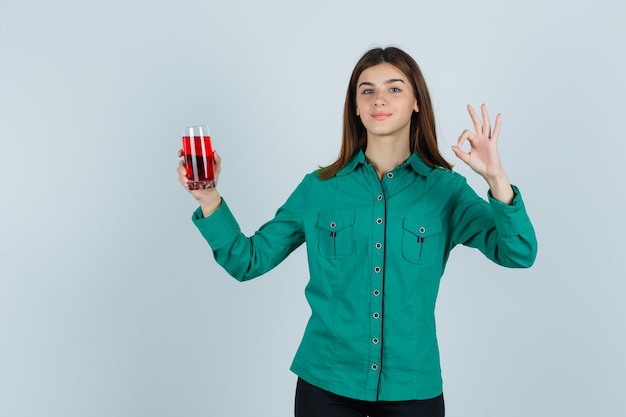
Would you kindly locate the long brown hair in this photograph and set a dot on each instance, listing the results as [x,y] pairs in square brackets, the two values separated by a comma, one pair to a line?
[423,136]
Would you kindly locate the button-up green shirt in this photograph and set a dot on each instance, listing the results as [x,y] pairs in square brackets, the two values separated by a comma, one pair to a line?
[376,252]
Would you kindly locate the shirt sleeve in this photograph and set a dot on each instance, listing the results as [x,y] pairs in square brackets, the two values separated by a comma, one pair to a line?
[503,232]
[246,257]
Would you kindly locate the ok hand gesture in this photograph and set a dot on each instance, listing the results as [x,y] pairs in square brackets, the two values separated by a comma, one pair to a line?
[483,155]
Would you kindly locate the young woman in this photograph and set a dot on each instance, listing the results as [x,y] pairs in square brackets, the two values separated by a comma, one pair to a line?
[379,224]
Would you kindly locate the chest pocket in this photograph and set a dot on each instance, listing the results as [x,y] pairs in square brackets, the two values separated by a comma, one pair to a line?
[422,239]
[336,234]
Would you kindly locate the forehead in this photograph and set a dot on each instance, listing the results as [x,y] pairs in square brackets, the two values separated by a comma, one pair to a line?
[381,73]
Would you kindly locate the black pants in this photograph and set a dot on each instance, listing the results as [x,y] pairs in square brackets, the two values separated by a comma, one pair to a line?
[315,402]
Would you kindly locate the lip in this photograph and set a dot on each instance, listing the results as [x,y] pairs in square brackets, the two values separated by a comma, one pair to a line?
[380,115]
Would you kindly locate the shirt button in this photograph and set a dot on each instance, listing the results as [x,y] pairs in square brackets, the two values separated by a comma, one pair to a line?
[379,245]
[333,225]
[375,340]
[376,293]
[376,316]
[380,197]
[377,269]
[379,220]
[374,367]
[390,175]
[422,229]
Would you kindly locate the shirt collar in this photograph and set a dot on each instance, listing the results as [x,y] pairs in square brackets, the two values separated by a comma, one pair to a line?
[356,160]
[414,161]
[418,164]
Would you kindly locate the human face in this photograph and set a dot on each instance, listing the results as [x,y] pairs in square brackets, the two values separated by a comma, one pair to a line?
[385,102]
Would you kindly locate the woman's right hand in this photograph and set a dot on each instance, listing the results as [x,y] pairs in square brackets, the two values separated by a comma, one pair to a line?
[209,199]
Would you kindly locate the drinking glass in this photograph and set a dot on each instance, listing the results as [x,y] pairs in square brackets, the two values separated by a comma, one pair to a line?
[198,157]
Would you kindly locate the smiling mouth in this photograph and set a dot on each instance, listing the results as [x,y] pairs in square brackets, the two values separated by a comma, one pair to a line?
[381,116]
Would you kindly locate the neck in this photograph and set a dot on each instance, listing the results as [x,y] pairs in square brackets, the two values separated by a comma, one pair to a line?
[385,155]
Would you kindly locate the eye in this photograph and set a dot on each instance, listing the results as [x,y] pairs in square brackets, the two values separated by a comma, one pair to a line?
[367,91]
[395,90]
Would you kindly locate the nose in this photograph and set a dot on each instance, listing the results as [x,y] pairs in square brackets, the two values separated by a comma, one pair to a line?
[380,100]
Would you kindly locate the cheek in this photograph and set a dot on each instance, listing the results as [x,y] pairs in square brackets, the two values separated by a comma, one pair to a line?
[360,104]
[412,106]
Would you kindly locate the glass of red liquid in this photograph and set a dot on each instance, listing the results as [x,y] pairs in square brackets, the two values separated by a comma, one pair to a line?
[198,156]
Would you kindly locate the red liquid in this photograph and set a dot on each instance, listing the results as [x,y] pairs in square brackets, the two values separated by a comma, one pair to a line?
[199,162]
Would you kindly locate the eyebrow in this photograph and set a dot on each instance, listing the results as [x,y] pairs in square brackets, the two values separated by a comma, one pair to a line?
[391,81]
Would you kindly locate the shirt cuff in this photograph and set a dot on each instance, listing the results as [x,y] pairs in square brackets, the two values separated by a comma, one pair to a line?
[511,219]
[220,228]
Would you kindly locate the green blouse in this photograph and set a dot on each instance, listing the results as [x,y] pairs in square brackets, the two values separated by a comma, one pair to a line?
[376,252]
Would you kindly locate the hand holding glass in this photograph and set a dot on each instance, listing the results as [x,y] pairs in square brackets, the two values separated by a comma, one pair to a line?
[198,157]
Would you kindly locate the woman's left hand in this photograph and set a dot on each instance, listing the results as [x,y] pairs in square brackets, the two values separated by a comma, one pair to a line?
[483,155]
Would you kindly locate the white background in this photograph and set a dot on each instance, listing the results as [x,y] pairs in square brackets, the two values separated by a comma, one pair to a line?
[110,301]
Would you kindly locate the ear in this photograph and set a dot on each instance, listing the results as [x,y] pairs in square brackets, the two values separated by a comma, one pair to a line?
[416,108]
[358,113]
